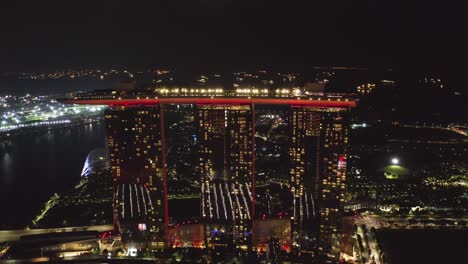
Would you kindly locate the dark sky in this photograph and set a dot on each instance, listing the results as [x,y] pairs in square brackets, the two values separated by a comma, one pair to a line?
[420,35]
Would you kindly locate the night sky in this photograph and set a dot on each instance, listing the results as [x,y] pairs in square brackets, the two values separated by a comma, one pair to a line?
[229,34]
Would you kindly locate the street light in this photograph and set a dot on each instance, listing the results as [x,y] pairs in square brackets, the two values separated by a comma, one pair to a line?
[395,161]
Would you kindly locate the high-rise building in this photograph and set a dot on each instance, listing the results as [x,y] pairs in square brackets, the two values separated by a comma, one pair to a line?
[135,139]
[318,151]
[304,151]
[226,152]
[333,181]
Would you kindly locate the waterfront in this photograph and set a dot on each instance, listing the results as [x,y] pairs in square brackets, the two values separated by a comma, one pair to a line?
[33,168]
[55,160]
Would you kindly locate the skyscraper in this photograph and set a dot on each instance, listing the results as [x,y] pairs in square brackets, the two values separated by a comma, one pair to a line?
[225,134]
[318,152]
[135,139]
[304,153]
[333,181]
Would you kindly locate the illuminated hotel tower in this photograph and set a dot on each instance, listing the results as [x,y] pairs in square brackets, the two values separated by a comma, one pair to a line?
[225,135]
[304,167]
[318,152]
[134,136]
[335,129]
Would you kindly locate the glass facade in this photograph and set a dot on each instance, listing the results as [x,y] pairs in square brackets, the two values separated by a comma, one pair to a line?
[134,137]
[318,153]
[226,168]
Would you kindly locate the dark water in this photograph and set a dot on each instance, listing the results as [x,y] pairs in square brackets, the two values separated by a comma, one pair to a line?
[33,167]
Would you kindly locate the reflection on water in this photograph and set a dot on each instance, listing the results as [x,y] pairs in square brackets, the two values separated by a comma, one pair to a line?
[34,166]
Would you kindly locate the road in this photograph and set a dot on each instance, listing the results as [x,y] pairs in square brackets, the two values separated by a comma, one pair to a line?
[366,221]
[399,222]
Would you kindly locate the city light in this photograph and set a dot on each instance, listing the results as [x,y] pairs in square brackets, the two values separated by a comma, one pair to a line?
[226,132]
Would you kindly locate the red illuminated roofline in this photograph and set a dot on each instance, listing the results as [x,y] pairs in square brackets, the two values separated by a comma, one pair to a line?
[342,103]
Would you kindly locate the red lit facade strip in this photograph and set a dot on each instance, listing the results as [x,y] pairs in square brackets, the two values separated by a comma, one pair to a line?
[217,101]
[163,149]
